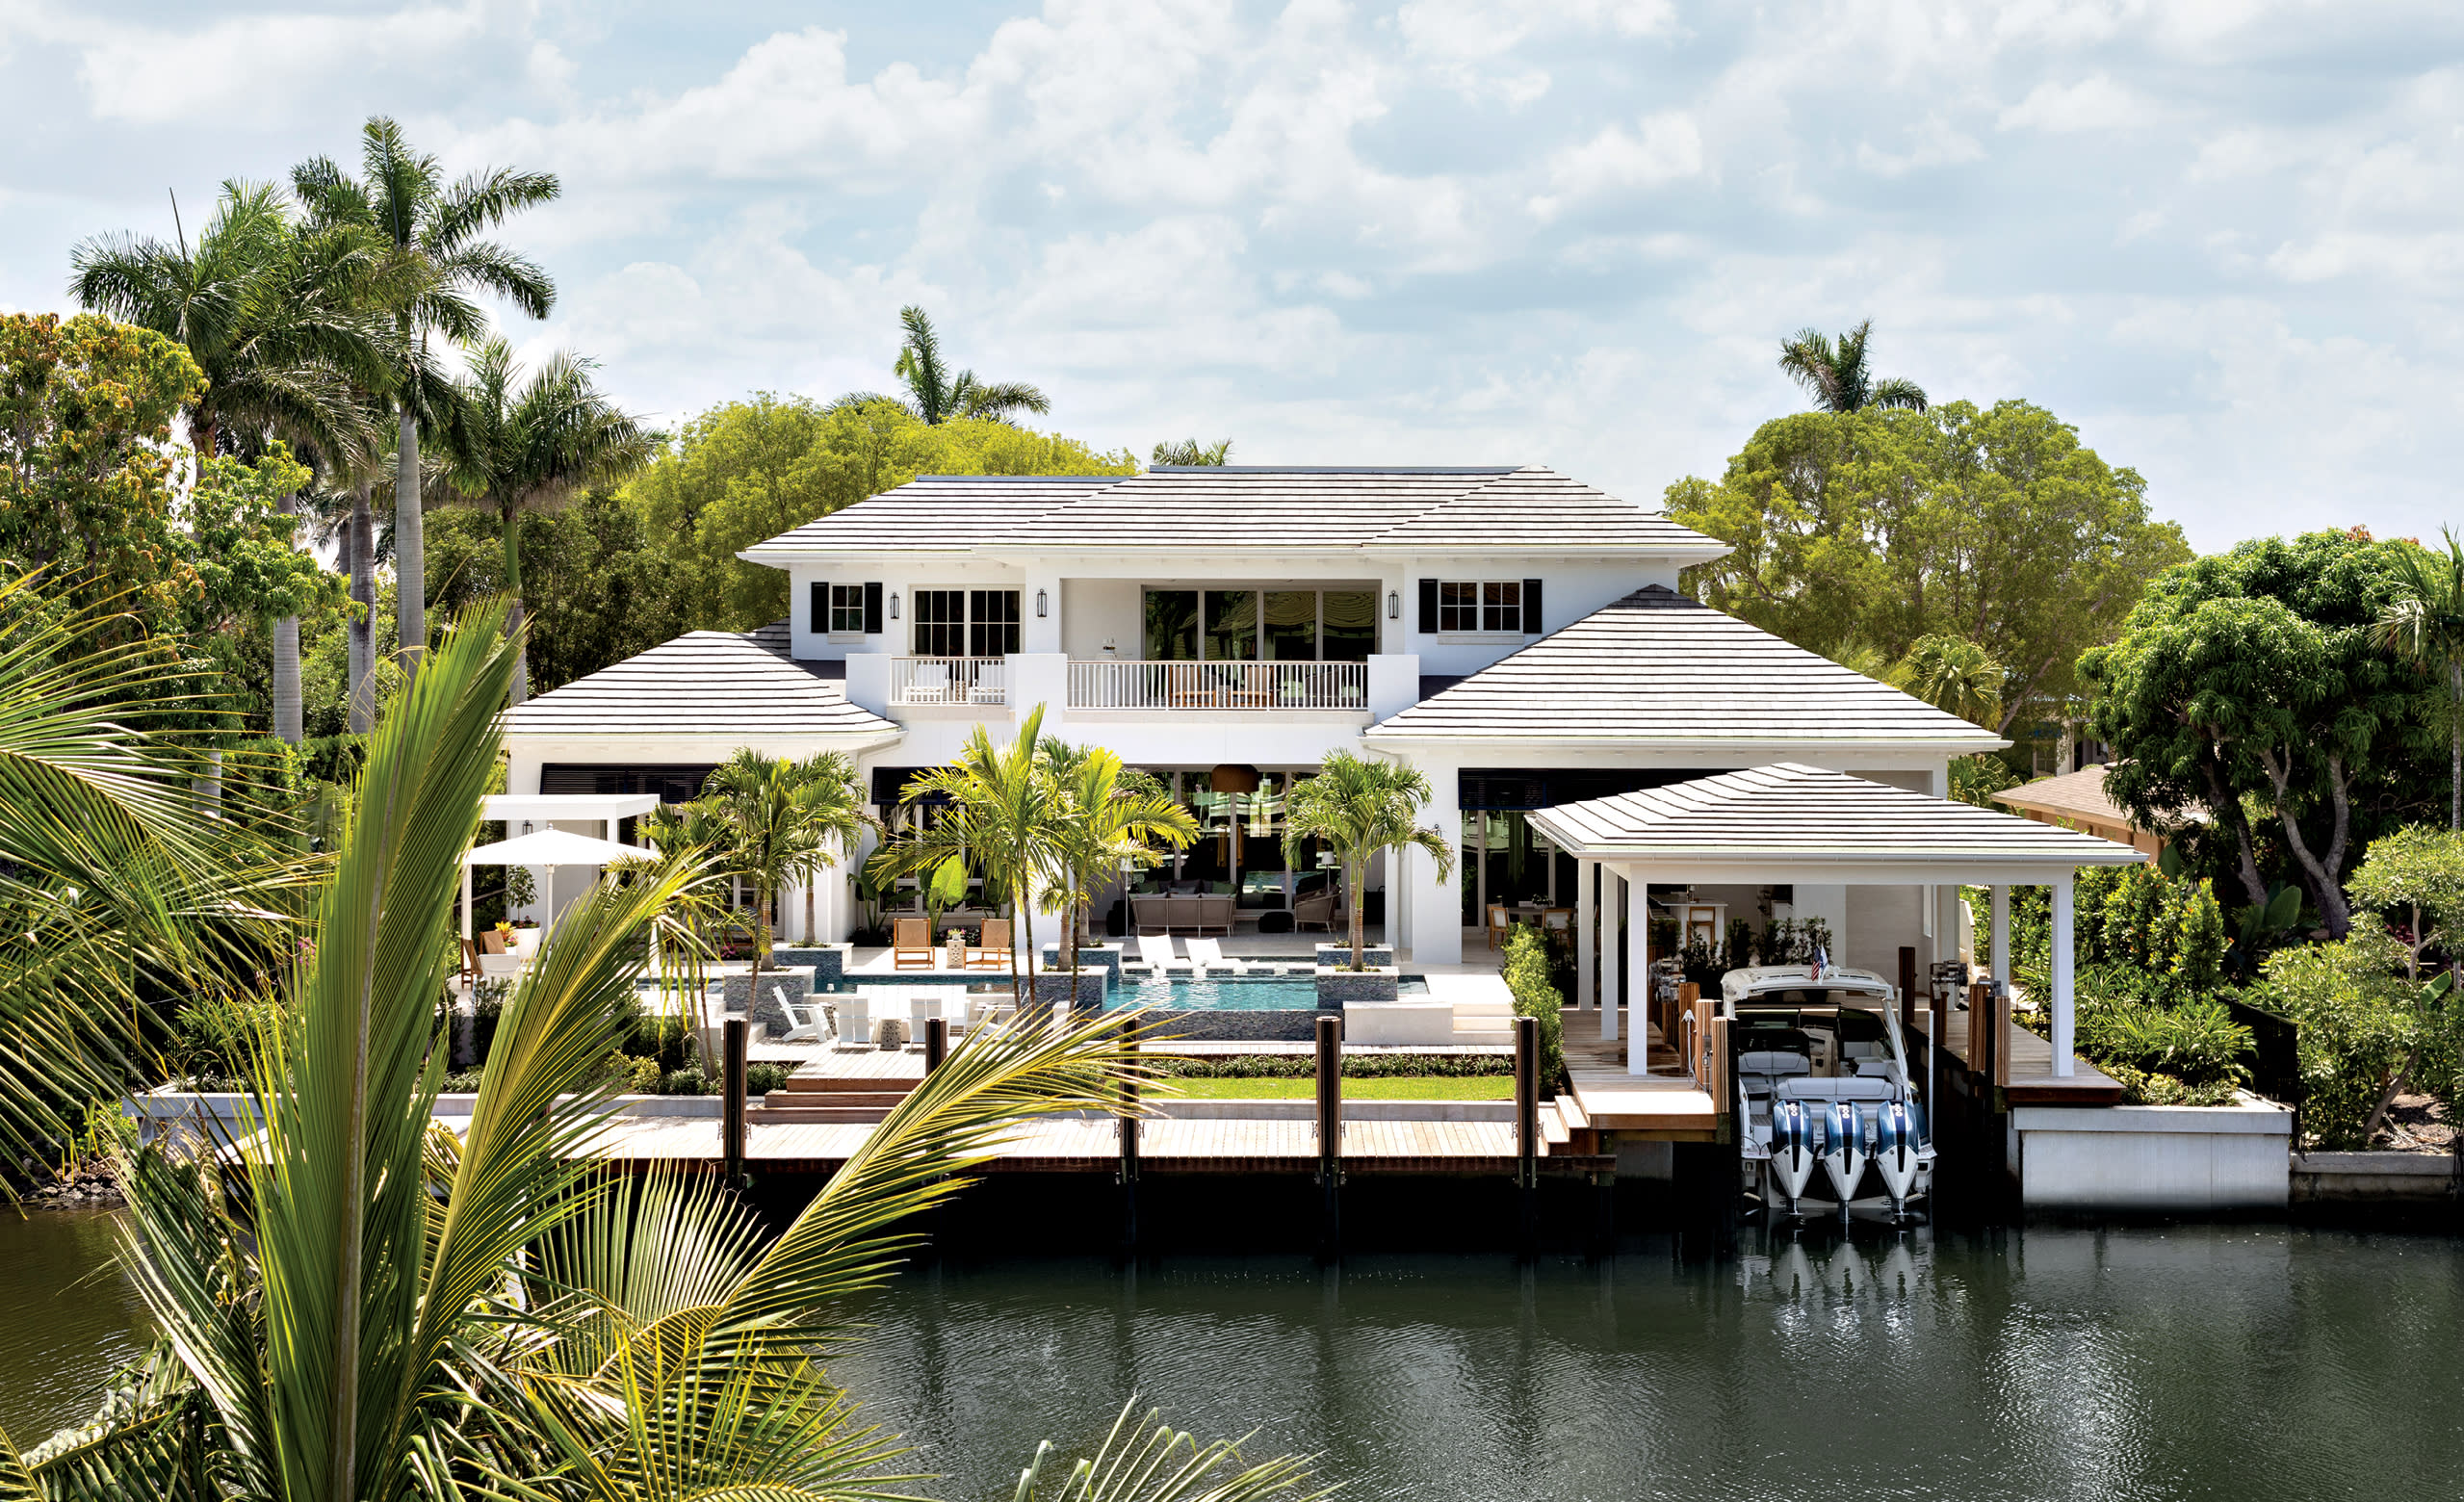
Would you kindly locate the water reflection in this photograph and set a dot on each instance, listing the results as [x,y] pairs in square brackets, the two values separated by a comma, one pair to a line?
[67,1319]
[2181,1362]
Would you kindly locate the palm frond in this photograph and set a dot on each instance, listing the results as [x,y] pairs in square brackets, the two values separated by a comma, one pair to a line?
[1146,1460]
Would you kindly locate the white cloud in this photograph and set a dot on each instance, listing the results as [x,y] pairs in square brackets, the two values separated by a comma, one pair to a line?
[1661,149]
[2092,103]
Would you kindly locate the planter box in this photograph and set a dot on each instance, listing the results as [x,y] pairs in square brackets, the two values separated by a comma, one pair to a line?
[1399,1022]
[1083,993]
[2155,1157]
[1106,955]
[2373,1177]
[1371,954]
[1339,987]
[829,961]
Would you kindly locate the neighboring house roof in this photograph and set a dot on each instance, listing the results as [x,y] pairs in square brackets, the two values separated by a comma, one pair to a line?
[1659,667]
[1806,814]
[2080,795]
[1179,508]
[704,683]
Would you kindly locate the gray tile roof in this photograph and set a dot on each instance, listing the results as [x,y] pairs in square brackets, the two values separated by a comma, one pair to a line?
[707,683]
[1659,667]
[1525,509]
[1789,810]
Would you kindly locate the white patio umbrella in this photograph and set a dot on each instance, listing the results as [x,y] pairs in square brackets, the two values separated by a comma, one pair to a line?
[548,847]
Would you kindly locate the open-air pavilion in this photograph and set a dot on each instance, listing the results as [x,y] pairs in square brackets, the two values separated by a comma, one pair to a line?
[1806,826]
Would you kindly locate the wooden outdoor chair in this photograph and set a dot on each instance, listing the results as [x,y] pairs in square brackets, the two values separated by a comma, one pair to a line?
[911,944]
[1500,924]
[470,963]
[992,949]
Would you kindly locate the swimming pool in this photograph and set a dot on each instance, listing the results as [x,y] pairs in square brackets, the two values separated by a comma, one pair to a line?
[1232,993]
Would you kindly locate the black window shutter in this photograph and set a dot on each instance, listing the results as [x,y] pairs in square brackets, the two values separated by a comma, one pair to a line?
[1531,607]
[872,609]
[820,610]
[1428,606]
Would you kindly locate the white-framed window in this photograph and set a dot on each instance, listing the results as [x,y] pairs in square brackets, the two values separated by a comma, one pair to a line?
[953,623]
[846,609]
[1480,606]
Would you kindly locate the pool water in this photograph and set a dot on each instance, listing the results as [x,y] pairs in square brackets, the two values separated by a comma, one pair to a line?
[1233,992]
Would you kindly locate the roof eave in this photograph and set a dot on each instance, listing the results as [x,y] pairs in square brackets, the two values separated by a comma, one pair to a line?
[1408,739]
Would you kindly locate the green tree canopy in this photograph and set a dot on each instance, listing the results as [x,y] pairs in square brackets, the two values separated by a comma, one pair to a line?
[2252,679]
[747,471]
[1992,526]
[86,486]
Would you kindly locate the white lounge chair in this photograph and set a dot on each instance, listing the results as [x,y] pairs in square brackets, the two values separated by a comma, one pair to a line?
[804,1025]
[1207,954]
[855,1019]
[1155,949]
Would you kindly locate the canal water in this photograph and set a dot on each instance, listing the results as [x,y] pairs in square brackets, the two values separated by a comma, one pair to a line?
[2245,1362]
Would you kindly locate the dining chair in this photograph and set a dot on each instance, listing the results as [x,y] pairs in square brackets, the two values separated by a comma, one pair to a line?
[1500,925]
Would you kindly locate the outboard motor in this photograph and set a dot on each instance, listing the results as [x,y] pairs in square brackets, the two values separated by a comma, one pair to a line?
[1842,1151]
[1895,1153]
[1794,1150]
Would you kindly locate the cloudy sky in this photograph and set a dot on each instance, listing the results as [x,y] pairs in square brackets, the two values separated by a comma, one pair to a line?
[2225,240]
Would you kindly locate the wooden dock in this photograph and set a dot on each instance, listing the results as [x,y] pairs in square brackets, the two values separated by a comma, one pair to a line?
[1166,1145]
[1665,1105]
[2031,1080]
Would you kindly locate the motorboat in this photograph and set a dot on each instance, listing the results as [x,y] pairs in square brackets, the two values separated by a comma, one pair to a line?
[1835,1122]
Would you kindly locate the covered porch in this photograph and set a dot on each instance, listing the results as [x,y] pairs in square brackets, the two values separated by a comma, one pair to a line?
[1818,831]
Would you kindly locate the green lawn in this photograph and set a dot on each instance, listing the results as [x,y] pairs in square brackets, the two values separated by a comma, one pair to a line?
[1478,1087]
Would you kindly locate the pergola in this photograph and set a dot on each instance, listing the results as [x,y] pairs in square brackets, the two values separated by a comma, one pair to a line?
[1788,823]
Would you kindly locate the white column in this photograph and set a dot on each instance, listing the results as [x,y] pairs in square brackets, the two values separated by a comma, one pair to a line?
[2002,935]
[1612,953]
[2059,1001]
[466,899]
[1638,942]
[1587,876]
[1437,906]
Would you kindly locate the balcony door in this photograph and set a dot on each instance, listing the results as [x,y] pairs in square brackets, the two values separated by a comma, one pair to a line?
[977,623]
[1260,624]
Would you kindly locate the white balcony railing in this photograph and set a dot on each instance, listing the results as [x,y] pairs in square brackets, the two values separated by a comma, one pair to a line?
[1105,685]
[948,680]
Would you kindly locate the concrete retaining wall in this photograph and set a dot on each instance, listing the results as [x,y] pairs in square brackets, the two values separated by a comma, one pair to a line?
[2373,1177]
[1399,1022]
[2154,1157]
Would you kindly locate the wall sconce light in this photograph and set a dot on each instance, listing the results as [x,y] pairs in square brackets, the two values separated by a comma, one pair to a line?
[893,606]
[1043,605]
[1394,605]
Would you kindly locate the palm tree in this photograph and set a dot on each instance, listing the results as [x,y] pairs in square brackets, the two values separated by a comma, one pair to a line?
[1005,820]
[769,836]
[113,892]
[2426,625]
[935,395]
[1361,806]
[436,262]
[1836,376]
[1954,675]
[1189,450]
[357,1306]
[527,446]
[835,807]
[1114,816]
[276,317]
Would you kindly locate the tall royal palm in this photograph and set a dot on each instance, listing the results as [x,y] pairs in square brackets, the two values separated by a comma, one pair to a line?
[935,394]
[1359,806]
[1113,819]
[276,316]
[1834,372]
[439,263]
[2425,624]
[527,445]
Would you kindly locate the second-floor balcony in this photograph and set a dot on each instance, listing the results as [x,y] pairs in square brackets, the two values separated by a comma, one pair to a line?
[921,681]
[1106,684]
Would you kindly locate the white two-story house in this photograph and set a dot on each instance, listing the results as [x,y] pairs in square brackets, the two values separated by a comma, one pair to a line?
[1514,633]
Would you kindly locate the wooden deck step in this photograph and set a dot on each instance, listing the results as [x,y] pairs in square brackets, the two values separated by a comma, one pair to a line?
[808,1100]
[1570,1112]
[782,1115]
[848,1084]
[1552,1128]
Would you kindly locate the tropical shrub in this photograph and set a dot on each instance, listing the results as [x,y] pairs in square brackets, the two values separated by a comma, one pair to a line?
[1530,977]
[2169,928]
[2359,1027]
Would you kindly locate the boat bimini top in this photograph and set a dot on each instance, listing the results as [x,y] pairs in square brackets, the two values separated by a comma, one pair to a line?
[1823,1079]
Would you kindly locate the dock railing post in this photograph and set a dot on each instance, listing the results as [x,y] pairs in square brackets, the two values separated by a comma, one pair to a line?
[1527,1127]
[731,1111]
[936,1042]
[1330,1134]
[1127,1121]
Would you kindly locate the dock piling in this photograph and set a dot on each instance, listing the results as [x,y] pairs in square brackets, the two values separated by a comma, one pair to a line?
[1330,1134]
[731,1119]
[1527,1127]
[936,1042]
[1128,1122]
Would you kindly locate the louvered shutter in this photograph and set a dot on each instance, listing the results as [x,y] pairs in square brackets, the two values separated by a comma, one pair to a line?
[1428,608]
